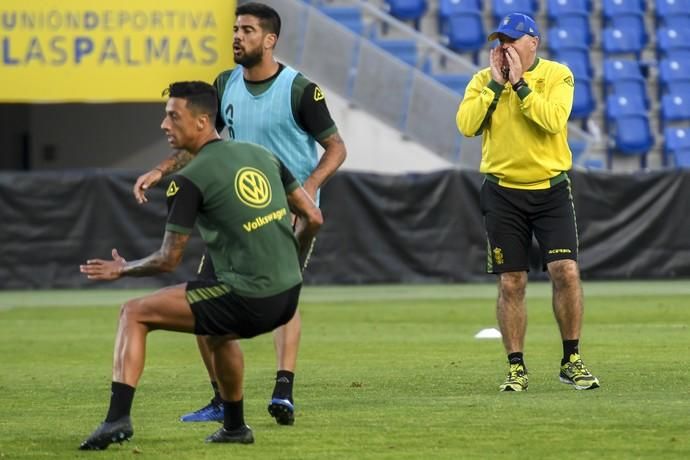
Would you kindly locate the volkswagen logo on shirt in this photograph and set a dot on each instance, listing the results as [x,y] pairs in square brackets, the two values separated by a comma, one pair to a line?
[252,187]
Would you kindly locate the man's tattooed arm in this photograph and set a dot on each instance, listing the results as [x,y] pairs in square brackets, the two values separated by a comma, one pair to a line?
[176,161]
[164,260]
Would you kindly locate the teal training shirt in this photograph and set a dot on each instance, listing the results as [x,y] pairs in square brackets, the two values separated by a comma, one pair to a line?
[236,192]
[268,120]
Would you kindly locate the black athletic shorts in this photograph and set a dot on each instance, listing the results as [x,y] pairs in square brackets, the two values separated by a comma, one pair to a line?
[512,216]
[219,311]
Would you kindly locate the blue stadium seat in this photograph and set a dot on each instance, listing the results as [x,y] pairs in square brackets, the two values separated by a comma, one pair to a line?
[675,139]
[678,87]
[681,158]
[502,8]
[559,38]
[465,33]
[578,62]
[681,21]
[631,22]
[673,70]
[456,82]
[576,21]
[557,8]
[622,42]
[447,8]
[349,16]
[611,9]
[632,90]
[671,8]
[618,106]
[405,50]
[622,69]
[577,148]
[669,41]
[674,108]
[629,127]
[632,135]
[583,101]
[407,10]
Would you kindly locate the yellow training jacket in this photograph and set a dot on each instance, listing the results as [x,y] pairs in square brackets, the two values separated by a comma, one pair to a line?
[525,139]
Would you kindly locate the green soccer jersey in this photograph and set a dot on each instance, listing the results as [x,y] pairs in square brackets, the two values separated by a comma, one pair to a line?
[236,194]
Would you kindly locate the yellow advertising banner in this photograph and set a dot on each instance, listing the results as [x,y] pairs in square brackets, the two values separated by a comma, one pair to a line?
[110,51]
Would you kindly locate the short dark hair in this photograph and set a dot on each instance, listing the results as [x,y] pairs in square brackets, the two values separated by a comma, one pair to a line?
[200,96]
[269,19]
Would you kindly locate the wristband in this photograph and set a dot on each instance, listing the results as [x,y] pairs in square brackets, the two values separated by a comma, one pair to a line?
[521,83]
[159,170]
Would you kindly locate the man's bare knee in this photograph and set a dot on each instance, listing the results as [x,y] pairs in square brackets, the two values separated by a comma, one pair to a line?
[564,273]
[135,310]
[513,284]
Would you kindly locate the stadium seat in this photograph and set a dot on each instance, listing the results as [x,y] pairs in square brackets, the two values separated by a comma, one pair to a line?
[502,8]
[578,62]
[456,82]
[558,8]
[583,101]
[622,42]
[559,38]
[577,148]
[633,22]
[447,8]
[675,139]
[631,90]
[465,33]
[681,158]
[622,69]
[681,21]
[576,21]
[407,10]
[674,108]
[350,17]
[673,70]
[619,106]
[611,9]
[678,87]
[632,135]
[671,8]
[405,50]
[669,41]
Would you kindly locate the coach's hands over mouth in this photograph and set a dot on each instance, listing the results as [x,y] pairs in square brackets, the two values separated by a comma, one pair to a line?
[144,182]
[98,269]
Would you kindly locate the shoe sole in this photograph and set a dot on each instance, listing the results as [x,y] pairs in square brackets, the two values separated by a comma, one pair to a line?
[119,437]
[567,381]
[512,389]
[219,420]
[282,414]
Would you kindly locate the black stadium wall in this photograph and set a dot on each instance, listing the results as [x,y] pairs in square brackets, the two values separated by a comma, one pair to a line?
[424,228]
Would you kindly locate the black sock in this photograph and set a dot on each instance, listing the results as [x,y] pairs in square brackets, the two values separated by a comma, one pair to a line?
[217,400]
[283,388]
[121,396]
[570,347]
[234,414]
[516,358]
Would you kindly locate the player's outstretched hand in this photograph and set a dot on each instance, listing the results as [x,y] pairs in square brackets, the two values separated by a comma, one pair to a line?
[99,269]
[143,183]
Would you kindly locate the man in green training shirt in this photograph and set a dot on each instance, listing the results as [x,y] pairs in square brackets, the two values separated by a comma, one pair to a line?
[240,196]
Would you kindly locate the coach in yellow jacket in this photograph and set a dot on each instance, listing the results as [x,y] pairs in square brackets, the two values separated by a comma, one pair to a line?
[520,104]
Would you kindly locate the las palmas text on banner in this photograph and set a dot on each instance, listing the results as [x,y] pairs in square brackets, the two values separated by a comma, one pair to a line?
[110,51]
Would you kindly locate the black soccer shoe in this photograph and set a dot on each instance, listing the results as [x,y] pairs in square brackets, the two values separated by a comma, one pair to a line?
[241,435]
[108,433]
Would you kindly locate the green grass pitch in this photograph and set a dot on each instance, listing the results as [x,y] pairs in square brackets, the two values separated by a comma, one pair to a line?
[384,372]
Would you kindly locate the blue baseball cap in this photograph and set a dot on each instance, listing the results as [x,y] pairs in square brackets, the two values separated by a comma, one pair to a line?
[515,25]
